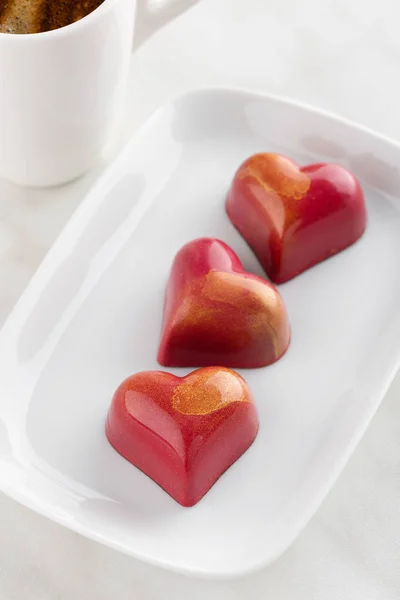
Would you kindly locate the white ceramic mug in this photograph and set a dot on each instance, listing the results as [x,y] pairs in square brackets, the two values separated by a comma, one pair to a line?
[60,91]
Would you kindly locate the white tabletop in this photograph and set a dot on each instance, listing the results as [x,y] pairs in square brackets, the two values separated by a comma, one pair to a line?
[343,56]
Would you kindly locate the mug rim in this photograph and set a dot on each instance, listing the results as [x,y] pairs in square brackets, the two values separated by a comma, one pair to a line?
[65,29]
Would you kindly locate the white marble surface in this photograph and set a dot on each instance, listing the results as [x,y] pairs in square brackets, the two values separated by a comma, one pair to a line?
[340,55]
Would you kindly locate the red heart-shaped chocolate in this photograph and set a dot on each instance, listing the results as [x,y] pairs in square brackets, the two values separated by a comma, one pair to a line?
[295,217]
[217,314]
[183,432]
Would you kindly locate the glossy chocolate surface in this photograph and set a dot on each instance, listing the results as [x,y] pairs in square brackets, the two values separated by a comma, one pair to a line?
[295,217]
[218,314]
[183,432]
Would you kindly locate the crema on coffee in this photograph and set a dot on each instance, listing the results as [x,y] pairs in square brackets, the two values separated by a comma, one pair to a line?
[35,16]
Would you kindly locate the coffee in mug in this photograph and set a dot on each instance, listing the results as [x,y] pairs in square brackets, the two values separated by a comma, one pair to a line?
[35,16]
[61,88]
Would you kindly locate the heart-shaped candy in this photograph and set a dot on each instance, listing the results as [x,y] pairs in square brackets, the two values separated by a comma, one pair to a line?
[217,314]
[183,432]
[295,217]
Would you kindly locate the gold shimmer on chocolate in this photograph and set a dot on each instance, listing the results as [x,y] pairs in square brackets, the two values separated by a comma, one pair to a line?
[277,174]
[36,16]
[257,303]
[209,390]
[256,309]
[271,177]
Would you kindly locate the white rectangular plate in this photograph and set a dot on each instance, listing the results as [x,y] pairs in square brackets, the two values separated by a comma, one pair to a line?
[91,316]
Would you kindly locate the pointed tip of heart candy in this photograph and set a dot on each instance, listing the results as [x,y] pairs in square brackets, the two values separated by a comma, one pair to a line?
[184,433]
[217,313]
